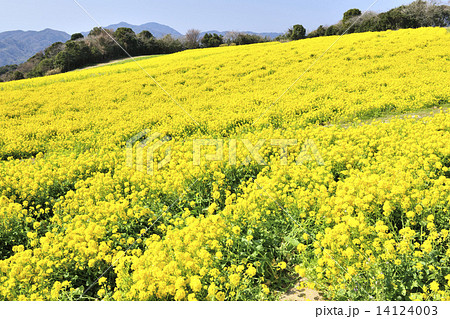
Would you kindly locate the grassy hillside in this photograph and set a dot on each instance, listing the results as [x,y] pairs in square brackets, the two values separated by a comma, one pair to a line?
[360,210]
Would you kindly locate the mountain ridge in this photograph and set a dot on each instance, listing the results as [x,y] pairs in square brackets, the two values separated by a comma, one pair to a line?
[17,46]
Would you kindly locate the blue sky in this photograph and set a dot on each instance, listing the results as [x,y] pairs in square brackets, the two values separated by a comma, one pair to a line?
[239,15]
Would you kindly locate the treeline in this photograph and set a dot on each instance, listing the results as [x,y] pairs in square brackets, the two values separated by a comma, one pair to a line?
[231,38]
[101,45]
[415,15]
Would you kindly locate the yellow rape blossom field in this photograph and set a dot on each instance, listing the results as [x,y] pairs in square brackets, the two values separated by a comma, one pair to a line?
[364,216]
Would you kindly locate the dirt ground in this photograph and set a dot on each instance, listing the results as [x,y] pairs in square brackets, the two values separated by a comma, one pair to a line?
[301,294]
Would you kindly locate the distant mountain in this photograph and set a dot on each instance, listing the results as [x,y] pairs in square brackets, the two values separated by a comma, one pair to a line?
[271,35]
[158,30]
[18,46]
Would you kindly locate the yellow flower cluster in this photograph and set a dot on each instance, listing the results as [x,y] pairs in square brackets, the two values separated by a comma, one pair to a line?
[372,222]
[378,210]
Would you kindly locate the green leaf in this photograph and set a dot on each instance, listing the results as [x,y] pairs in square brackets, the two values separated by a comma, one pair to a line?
[293,242]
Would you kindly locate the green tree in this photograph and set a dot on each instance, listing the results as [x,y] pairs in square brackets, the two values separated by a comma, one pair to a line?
[367,23]
[147,43]
[332,30]
[7,68]
[103,47]
[216,40]
[205,39]
[127,39]
[17,75]
[145,35]
[76,36]
[95,32]
[319,32]
[54,49]
[75,55]
[169,45]
[212,40]
[43,67]
[243,38]
[350,14]
[296,33]
[396,19]
[63,61]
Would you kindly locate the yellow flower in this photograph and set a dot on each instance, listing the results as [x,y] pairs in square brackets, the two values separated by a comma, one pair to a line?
[281,265]
[191,297]
[301,247]
[93,190]
[180,294]
[351,270]
[265,289]
[234,279]
[212,289]
[236,230]
[220,296]
[195,283]
[387,208]
[410,214]
[299,270]
[101,292]
[434,286]
[251,271]
[380,276]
